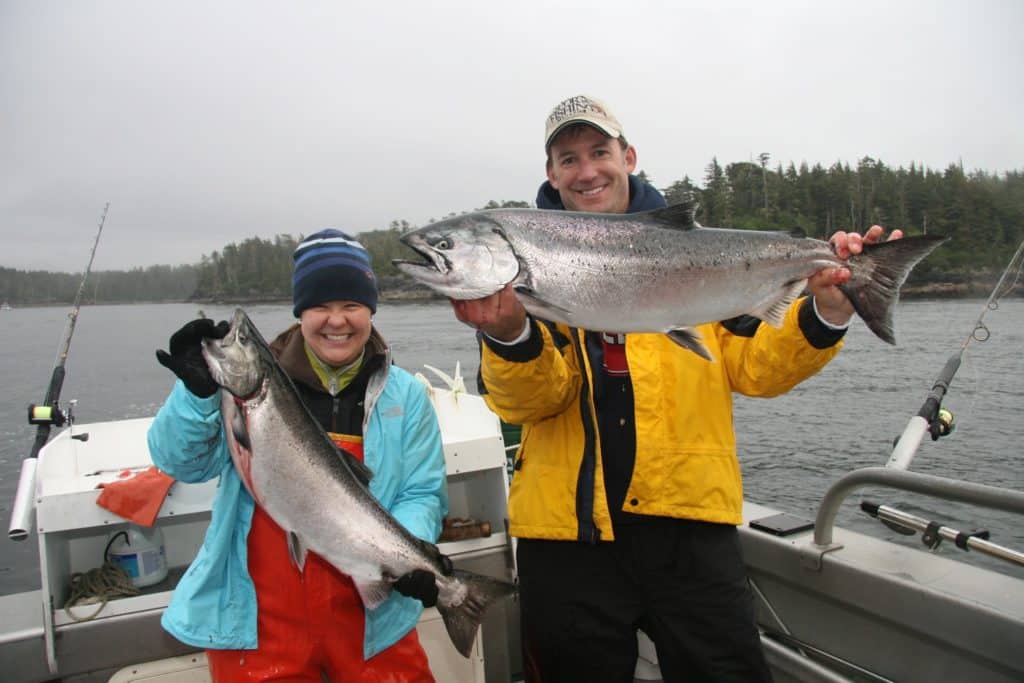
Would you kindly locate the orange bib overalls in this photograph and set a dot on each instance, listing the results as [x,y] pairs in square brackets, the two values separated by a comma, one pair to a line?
[310,623]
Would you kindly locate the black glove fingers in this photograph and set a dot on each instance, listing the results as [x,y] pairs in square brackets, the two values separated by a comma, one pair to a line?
[419,584]
[193,332]
[165,359]
[186,356]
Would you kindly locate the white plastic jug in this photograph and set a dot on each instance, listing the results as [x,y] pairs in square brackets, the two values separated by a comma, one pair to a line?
[140,552]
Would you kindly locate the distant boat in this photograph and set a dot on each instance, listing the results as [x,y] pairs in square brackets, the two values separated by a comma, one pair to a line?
[5,306]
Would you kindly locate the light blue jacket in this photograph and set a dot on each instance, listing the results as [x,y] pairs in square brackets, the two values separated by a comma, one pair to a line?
[214,604]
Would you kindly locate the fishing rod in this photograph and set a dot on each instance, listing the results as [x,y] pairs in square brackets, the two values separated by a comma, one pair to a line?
[932,418]
[48,414]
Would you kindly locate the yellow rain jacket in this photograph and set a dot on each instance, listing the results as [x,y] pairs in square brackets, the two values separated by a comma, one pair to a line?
[685,461]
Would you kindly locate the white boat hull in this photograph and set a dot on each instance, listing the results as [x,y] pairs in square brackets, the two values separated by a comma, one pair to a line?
[862,609]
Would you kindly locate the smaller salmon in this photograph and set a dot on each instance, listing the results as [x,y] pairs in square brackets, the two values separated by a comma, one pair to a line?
[318,492]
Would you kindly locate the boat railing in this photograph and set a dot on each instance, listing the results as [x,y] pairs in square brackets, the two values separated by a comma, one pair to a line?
[983,495]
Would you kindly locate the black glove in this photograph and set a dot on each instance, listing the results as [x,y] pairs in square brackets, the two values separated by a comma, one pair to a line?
[186,357]
[418,584]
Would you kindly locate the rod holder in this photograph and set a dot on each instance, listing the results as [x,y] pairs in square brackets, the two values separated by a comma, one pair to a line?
[24,501]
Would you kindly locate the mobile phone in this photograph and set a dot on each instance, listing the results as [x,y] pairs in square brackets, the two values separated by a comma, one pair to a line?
[782,524]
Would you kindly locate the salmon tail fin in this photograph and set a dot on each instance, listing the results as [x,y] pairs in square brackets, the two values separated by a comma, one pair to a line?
[462,616]
[877,274]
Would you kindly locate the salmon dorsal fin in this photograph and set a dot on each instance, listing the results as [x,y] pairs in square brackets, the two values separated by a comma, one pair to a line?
[681,216]
[359,470]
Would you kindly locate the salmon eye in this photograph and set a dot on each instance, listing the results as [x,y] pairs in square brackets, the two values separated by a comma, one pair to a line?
[443,243]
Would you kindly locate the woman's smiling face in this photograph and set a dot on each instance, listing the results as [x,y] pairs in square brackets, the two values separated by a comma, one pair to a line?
[336,331]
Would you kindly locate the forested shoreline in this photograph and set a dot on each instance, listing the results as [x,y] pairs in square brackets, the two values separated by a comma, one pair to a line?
[981,213]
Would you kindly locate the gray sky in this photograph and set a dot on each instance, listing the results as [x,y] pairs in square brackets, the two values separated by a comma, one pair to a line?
[205,123]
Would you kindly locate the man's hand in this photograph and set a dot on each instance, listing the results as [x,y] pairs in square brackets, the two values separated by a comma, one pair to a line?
[186,357]
[833,306]
[499,315]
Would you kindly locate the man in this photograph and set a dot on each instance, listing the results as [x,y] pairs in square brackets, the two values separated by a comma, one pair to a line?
[627,491]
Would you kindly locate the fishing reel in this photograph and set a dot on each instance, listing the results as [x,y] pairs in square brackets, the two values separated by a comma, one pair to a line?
[54,416]
[942,425]
[51,415]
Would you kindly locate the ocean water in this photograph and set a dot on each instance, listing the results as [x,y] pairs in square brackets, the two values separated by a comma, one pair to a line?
[791,447]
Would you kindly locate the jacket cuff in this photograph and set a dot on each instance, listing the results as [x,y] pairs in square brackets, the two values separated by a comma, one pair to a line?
[522,352]
[817,333]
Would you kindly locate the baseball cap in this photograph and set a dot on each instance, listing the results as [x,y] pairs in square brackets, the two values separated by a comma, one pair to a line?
[581,109]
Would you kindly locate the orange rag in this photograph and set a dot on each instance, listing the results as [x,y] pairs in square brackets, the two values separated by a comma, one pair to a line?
[136,498]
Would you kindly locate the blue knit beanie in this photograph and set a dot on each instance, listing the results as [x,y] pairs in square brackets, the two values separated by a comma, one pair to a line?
[332,266]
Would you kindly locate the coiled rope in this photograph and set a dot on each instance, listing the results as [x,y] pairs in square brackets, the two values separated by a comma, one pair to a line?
[99,585]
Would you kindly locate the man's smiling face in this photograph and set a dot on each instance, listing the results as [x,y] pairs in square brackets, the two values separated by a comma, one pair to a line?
[590,170]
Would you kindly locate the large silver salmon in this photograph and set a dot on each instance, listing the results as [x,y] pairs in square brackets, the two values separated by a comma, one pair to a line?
[318,492]
[656,271]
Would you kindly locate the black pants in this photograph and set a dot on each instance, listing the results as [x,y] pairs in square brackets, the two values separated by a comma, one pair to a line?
[683,582]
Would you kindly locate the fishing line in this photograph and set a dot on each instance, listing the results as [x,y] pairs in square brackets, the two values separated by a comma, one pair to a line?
[981,333]
[62,354]
[48,414]
[932,418]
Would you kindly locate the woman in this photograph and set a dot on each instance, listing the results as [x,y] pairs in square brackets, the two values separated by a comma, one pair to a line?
[242,598]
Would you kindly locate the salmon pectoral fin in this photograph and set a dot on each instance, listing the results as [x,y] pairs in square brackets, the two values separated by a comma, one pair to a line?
[239,445]
[538,306]
[240,431]
[296,550]
[773,311]
[689,338]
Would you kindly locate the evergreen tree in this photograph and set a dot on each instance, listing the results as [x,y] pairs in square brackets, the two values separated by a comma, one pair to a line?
[716,198]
